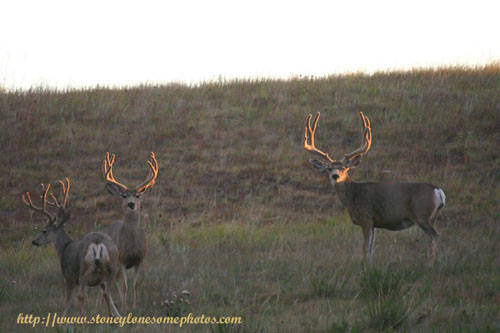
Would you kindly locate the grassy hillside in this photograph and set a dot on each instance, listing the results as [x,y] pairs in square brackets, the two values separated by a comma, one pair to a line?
[240,219]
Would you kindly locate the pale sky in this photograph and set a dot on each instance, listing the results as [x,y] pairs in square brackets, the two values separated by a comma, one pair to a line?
[74,43]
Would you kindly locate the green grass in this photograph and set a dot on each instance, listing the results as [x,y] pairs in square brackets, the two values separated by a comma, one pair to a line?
[239,218]
[390,296]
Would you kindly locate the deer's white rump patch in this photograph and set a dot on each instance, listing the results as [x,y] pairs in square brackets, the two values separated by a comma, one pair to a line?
[96,252]
[439,197]
[439,200]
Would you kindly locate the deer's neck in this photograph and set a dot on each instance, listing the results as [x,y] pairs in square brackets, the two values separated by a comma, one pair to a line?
[131,219]
[345,192]
[62,241]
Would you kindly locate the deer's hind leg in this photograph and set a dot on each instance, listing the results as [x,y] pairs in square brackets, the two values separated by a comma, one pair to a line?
[426,226]
[70,286]
[81,297]
[83,282]
[106,293]
[424,213]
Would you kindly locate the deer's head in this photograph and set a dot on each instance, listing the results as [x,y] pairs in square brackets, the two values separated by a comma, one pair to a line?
[131,197]
[337,170]
[55,221]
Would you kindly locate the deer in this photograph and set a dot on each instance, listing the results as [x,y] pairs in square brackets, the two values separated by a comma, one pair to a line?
[371,205]
[88,262]
[128,234]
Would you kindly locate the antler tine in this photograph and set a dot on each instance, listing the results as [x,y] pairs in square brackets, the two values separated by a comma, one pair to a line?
[108,170]
[43,209]
[366,139]
[65,191]
[309,136]
[153,164]
[53,203]
[64,194]
[45,190]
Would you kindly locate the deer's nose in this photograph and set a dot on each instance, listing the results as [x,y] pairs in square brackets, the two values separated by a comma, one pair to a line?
[131,205]
[34,243]
[335,176]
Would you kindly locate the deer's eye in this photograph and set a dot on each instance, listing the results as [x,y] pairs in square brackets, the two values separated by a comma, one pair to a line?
[44,231]
[124,196]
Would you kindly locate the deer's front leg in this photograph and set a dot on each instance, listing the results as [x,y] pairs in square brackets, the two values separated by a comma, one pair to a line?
[369,239]
[136,274]
[121,284]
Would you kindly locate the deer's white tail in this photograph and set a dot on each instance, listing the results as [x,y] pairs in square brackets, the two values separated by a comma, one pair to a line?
[97,254]
[439,201]
[439,198]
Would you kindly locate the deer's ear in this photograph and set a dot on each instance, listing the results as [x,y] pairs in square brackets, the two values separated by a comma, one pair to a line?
[113,189]
[353,162]
[320,166]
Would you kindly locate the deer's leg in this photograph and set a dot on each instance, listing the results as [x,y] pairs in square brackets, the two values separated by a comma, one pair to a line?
[102,300]
[369,239]
[81,296]
[425,225]
[372,241]
[434,216]
[136,273]
[113,311]
[105,298]
[69,292]
[121,284]
[124,277]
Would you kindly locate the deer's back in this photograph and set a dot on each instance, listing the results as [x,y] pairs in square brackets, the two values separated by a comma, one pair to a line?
[106,240]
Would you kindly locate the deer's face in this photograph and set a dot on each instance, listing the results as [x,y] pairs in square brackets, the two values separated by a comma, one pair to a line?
[336,171]
[131,199]
[47,235]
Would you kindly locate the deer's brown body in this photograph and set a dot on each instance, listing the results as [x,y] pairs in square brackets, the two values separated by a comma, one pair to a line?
[131,239]
[392,206]
[87,262]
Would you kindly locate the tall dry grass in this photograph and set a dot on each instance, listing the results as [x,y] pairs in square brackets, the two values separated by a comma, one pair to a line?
[237,216]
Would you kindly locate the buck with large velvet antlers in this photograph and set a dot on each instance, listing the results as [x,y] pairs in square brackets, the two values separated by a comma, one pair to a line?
[87,262]
[392,206]
[127,234]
